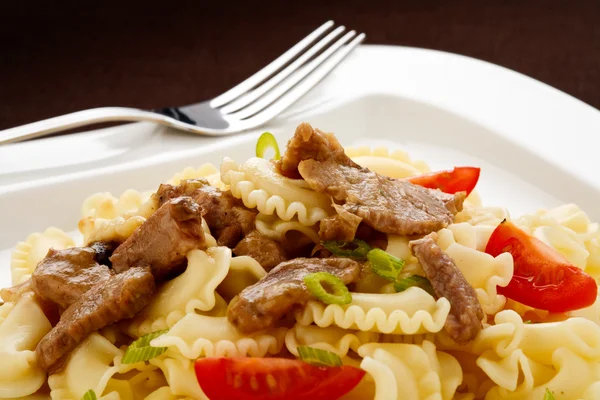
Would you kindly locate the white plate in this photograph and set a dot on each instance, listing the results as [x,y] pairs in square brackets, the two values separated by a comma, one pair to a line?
[537,146]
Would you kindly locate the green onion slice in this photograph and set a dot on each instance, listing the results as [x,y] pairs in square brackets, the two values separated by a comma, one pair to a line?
[319,357]
[357,249]
[414,280]
[548,395]
[265,142]
[314,283]
[89,395]
[140,350]
[384,264]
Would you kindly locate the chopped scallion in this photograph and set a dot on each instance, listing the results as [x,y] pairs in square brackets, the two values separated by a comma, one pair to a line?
[319,357]
[314,282]
[265,142]
[414,280]
[357,249]
[384,264]
[140,350]
[548,395]
[89,395]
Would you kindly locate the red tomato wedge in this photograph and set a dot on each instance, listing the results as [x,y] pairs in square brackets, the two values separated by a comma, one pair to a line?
[250,378]
[543,278]
[460,179]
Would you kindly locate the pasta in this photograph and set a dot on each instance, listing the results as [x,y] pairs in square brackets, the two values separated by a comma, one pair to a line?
[178,297]
[20,332]
[259,186]
[409,312]
[398,335]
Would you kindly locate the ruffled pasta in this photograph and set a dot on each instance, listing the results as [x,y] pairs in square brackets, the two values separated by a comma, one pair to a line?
[409,312]
[395,164]
[260,186]
[96,364]
[521,359]
[484,272]
[334,339]
[180,376]
[243,272]
[20,332]
[117,229]
[206,171]
[277,229]
[569,230]
[411,372]
[29,253]
[192,291]
[204,336]
[106,206]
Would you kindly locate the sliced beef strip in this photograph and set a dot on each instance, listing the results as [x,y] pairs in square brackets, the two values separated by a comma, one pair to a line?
[311,144]
[263,304]
[464,321]
[227,217]
[120,297]
[163,240]
[64,275]
[385,204]
[267,252]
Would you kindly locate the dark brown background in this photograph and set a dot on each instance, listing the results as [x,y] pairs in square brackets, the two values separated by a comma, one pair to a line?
[58,57]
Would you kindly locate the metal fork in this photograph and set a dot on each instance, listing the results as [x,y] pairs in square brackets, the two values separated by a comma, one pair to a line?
[250,104]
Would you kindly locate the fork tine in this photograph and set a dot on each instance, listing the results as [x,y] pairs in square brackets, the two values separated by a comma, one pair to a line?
[270,69]
[292,81]
[256,93]
[303,87]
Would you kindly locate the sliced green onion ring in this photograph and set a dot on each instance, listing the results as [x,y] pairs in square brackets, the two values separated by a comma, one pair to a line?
[548,395]
[265,142]
[89,395]
[414,280]
[314,283]
[384,264]
[140,350]
[356,249]
[319,357]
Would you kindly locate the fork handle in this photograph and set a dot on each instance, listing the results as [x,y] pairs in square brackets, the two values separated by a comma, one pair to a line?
[80,118]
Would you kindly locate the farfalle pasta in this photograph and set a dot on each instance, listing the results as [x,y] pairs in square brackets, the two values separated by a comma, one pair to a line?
[374,301]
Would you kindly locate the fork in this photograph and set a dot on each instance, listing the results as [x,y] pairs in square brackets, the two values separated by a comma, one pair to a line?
[248,105]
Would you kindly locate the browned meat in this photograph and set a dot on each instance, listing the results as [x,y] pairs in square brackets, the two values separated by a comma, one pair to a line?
[64,275]
[375,238]
[187,188]
[311,144]
[120,297]
[261,305]
[163,240]
[227,217]
[341,226]
[267,252]
[464,321]
[385,204]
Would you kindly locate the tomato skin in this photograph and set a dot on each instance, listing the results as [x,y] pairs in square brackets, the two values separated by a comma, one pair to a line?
[543,278]
[460,179]
[222,378]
